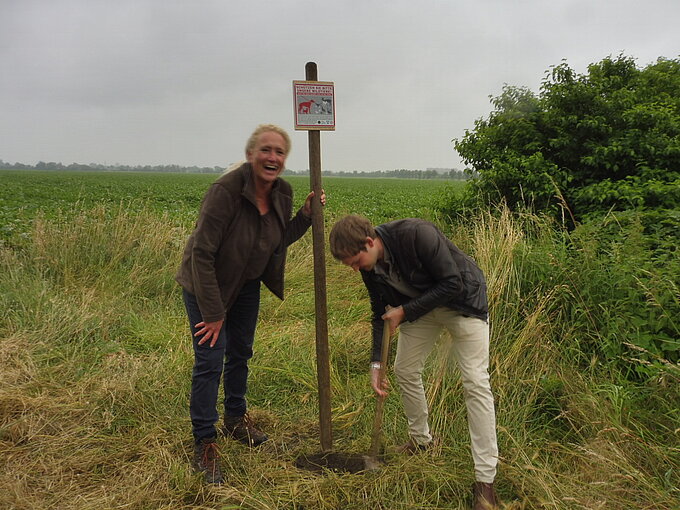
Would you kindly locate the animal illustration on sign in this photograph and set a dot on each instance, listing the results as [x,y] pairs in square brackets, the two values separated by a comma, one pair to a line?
[326,105]
[306,107]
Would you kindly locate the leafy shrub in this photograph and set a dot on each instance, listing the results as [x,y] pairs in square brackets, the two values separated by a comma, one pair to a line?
[605,140]
[617,288]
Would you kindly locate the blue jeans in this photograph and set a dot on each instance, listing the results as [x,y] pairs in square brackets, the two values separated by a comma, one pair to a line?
[230,355]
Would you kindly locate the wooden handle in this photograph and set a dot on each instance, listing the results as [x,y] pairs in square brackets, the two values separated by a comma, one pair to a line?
[379,405]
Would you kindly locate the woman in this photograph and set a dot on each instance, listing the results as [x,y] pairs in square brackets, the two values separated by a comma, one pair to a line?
[240,239]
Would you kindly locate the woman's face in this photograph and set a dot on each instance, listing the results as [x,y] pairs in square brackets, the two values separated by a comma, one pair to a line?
[268,157]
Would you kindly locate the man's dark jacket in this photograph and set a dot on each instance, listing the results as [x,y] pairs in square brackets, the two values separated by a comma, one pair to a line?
[226,233]
[433,266]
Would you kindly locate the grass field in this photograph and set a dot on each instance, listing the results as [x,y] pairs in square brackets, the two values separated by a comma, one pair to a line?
[96,362]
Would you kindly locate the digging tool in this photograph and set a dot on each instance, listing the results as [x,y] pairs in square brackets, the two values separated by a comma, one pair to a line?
[371,460]
[339,462]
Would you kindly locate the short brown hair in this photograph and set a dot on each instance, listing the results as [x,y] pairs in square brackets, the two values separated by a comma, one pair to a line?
[348,236]
[265,128]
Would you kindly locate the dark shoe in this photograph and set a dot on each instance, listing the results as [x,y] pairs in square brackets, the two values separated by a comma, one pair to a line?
[484,496]
[411,447]
[242,429]
[207,461]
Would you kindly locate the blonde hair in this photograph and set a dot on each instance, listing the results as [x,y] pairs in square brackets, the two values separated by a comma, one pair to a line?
[233,166]
[348,236]
[265,128]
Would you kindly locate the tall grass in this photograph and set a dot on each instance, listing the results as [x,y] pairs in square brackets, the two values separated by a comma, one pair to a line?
[96,361]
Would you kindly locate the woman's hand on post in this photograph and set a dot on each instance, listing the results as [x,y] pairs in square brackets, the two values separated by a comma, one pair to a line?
[210,331]
[307,208]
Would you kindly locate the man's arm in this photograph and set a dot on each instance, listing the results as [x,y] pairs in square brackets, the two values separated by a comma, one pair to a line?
[377,310]
[378,307]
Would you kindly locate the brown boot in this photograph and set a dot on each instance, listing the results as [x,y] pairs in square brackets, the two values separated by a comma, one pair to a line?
[484,496]
[410,447]
[242,429]
[207,461]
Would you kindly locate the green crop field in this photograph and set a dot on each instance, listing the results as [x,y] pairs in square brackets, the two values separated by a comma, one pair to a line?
[27,193]
[96,359]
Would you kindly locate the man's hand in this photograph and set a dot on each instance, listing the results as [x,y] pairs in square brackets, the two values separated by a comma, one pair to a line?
[380,387]
[210,331]
[394,316]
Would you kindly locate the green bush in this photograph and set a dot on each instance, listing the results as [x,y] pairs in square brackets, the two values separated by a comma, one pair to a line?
[605,140]
[618,288]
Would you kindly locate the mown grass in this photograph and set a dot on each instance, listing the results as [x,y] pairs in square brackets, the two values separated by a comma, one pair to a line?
[96,363]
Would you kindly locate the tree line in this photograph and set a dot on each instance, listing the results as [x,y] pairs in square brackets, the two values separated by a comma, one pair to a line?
[95,167]
[396,174]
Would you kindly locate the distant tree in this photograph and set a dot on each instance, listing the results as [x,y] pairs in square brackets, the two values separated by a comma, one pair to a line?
[605,140]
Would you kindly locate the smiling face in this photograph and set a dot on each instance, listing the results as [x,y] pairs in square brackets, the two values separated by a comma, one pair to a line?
[268,157]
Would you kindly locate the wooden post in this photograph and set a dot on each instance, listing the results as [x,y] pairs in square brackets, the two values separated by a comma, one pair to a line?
[322,353]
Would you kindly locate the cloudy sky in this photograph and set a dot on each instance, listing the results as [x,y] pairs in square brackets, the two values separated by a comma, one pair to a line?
[185,82]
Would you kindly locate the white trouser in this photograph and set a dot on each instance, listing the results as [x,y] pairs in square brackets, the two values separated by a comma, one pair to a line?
[470,347]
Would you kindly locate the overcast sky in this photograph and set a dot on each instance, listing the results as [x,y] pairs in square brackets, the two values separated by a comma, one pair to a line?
[185,82]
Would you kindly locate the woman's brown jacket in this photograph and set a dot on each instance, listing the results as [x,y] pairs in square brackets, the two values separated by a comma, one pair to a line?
[218,250]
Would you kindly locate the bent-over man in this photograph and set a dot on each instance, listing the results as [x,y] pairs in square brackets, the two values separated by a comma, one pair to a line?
[421,283]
